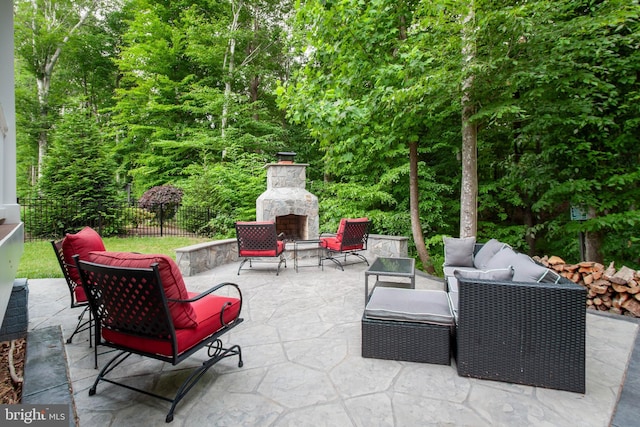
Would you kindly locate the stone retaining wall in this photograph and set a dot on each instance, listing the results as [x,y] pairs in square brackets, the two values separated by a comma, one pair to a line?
[201,257]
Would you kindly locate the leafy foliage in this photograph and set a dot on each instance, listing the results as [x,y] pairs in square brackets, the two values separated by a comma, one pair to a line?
[171,106]
[228,189]
[558,104]
[556,90]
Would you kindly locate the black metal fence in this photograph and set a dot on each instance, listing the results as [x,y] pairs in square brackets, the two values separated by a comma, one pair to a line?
[52,219]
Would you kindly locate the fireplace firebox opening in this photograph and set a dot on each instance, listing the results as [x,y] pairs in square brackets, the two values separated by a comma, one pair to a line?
[294,227]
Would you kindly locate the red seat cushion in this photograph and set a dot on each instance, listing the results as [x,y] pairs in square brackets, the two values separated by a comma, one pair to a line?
[266,253]
[183,314]
[334,243]
[80,243]
[207,311]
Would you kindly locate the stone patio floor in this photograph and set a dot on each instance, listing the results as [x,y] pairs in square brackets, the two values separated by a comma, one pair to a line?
[302,366]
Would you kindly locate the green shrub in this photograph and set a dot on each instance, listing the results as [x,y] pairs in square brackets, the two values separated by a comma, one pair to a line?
[162,200]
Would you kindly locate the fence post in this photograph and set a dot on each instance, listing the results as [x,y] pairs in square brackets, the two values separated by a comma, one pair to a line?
[161,218]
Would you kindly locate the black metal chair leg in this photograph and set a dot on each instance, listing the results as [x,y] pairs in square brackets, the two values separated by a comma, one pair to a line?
[82,325]
[242,263]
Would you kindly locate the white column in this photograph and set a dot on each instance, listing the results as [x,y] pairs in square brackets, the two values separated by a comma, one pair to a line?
[9,209]
[11,237]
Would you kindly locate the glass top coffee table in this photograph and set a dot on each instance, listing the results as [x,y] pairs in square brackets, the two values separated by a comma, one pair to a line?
[300,246]
[403,268]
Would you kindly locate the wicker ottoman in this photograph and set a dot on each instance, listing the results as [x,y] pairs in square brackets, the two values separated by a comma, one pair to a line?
[408,324]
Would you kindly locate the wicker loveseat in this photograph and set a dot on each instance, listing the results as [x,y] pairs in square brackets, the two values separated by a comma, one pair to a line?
[526,329]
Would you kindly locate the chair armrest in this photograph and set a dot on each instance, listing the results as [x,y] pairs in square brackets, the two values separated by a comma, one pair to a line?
[209,291]
[225,305]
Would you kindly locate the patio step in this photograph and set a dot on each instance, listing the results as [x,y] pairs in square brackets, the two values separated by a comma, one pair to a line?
[46,371]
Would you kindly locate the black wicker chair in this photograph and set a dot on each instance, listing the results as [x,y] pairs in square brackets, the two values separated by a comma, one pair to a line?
[133,315]
[259,239]
[78,296]
[350,239]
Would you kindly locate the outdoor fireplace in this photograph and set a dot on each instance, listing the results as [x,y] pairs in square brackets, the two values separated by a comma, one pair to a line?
[287,202]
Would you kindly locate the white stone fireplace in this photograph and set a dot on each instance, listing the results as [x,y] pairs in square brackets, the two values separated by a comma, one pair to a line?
[287,202]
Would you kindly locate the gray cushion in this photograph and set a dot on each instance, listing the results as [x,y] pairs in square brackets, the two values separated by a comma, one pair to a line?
[550,277]
[502,259]
[498,274]
[526,270]
[452,284]
[409,305]
[449,269]
[454,300]
[486,252]
[459,251]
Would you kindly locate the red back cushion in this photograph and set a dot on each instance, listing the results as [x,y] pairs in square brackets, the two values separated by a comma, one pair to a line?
[343,223]
[182,313]
[340,232]
[81,243]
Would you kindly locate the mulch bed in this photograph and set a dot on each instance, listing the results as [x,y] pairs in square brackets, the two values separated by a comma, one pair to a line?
[11,392]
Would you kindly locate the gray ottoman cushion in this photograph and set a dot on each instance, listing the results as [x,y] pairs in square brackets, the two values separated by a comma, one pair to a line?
[410,305]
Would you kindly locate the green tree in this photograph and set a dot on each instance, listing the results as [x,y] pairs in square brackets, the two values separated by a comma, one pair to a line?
[78,169]
[559,89]
[177,93]
[43,29]
[77,166]
[229,189]
[368,73]
[27,131]
[64,59]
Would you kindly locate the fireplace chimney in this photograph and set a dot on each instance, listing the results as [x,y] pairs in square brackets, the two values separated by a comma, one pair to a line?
[286,200]
[286,157]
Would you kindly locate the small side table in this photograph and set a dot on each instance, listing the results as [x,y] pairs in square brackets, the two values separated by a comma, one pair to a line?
[390,267]
[299,245]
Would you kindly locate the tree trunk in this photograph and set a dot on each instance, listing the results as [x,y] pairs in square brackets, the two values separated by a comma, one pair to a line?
[414,196]
[45,62]
[43,84]
[254,84]
[592,242]
[414,208]
[230,56]
[469,184]
[529,236]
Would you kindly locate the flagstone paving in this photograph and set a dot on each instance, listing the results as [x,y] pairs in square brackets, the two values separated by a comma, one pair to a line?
[302,366]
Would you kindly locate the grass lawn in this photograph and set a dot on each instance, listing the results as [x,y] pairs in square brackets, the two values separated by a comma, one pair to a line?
[39,262]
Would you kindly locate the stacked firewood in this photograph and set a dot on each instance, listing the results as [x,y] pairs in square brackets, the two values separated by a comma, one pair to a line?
[608,290]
